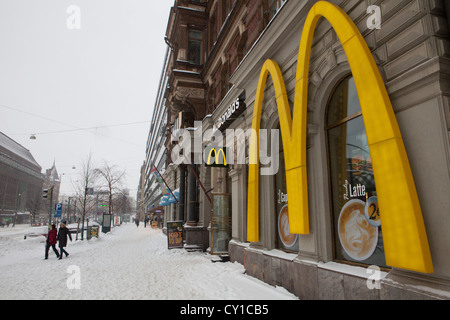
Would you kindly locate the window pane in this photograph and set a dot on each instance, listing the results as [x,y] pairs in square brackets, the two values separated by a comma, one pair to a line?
[195,35]
[285,240]
[344,102]
[195,46]
[357,227]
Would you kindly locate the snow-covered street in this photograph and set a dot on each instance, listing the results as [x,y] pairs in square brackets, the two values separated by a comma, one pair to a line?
[128,263]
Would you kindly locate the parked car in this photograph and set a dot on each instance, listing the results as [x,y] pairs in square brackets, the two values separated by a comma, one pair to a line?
[33,232]
[73,226]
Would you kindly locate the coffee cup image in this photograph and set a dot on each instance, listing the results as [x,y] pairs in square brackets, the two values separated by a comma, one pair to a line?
[372,212]
[358,238]
[286,237]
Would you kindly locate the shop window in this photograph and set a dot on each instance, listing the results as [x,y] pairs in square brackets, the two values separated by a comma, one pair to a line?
[285,240]
[195,46]
[356,221]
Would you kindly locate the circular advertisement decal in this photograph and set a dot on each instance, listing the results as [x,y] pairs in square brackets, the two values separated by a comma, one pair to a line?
[286,237]
[358,238]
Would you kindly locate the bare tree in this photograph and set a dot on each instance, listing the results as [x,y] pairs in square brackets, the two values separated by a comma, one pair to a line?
[86,182]
[35,203]
[122,202]
[112,177]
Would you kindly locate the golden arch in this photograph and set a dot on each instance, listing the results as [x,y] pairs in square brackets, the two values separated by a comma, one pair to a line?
[217,157]
[405,239]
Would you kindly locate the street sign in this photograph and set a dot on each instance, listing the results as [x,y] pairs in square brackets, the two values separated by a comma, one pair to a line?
[58,210]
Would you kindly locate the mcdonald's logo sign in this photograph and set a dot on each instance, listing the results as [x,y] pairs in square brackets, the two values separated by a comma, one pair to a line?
[216,157]
[404,235]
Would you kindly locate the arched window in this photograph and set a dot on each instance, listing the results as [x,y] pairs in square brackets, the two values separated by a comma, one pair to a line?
[355,216]
[284,239]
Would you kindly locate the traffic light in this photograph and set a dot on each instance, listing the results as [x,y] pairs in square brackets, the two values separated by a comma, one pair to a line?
[45,194]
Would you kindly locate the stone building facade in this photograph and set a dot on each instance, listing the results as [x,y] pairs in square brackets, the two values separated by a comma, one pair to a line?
[218,49]
[411,50]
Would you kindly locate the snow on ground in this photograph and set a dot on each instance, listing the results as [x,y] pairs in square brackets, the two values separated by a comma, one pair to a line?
[128,263]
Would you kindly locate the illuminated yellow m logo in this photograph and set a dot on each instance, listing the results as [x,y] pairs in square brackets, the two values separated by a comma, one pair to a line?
[404,234]
[217,157]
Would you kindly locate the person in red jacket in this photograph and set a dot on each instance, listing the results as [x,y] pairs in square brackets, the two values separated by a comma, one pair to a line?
[51,241]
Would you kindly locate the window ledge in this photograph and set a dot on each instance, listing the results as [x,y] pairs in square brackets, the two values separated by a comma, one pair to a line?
[359,272]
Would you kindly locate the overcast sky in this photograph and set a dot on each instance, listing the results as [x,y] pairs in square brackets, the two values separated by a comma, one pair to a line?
[55,77]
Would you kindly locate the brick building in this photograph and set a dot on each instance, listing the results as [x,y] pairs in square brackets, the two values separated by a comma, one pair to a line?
[20,183]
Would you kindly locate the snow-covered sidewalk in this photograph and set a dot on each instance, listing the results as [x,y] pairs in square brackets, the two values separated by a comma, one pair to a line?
[128,263]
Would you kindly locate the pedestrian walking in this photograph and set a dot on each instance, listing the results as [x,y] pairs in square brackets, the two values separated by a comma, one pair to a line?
[51,241]
[137,222]
[62,238]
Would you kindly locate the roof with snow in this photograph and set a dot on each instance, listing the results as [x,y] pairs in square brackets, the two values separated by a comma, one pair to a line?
[13,150]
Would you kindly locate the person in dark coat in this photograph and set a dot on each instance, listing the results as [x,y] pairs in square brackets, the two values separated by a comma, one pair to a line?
[62,238]
[51,241]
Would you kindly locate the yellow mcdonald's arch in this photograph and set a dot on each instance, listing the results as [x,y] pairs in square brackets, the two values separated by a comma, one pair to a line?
[217,157]
[404,235]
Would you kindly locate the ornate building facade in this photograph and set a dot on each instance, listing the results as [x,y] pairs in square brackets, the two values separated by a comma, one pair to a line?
[218,50]
[207,41]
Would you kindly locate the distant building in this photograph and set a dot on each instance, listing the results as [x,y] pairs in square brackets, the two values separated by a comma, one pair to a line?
[150,192]
[21,183]
[52,179]
[52,182]
[140,194]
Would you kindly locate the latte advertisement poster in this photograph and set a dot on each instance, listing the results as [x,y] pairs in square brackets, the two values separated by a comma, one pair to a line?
[359,225]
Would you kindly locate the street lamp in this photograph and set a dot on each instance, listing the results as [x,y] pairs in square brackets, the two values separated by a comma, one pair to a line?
[18,203]
[68,210]
[50,209]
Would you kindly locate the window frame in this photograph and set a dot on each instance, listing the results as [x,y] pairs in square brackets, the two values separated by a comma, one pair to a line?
[191,40]
[327,128]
